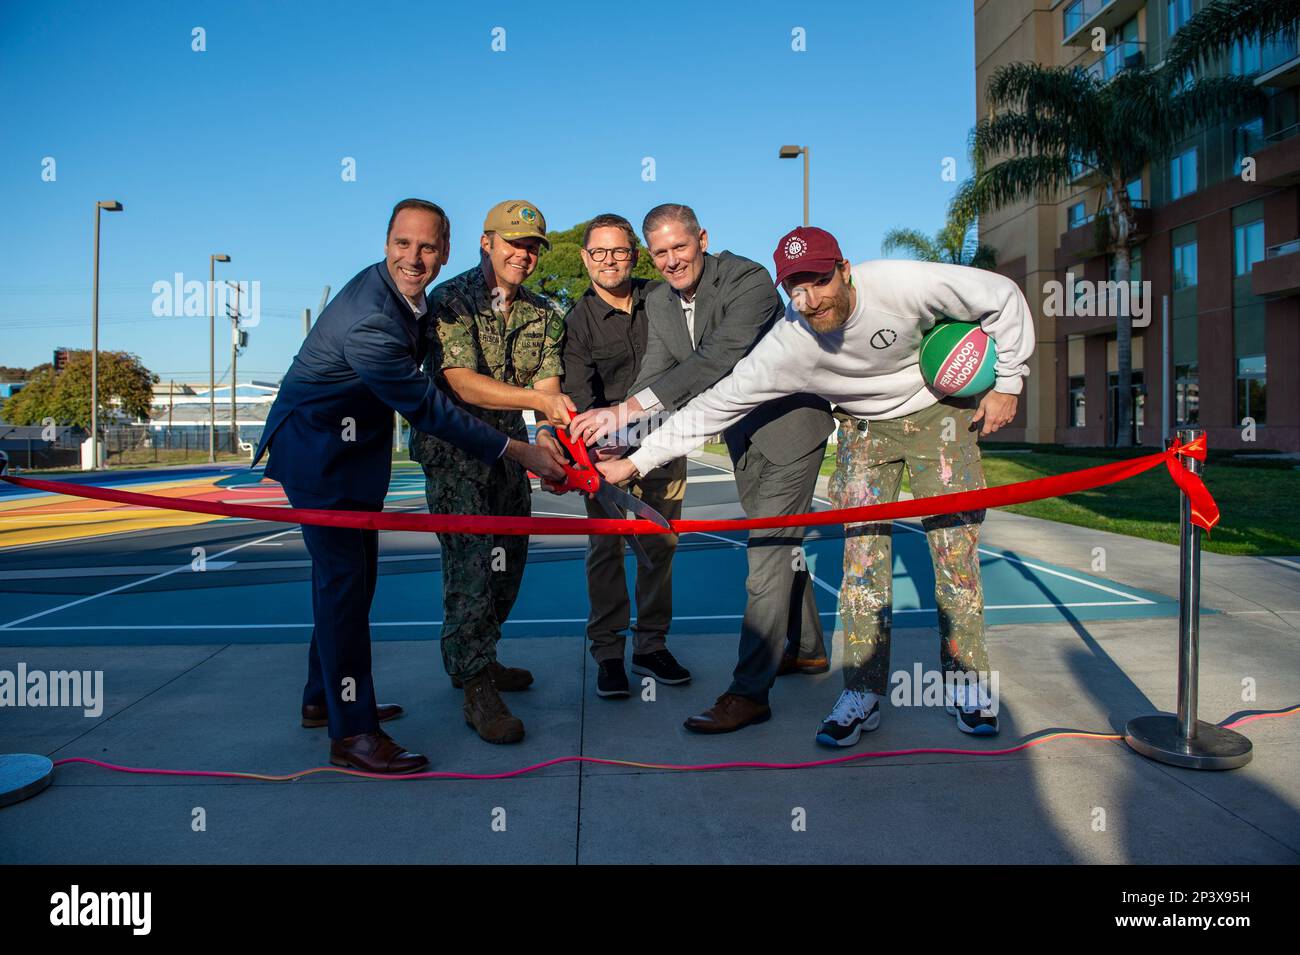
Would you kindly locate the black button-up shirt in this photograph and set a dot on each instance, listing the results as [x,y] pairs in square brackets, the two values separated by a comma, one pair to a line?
[603,348]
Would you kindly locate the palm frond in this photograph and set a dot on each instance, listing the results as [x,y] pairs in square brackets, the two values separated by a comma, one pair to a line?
[1022,177]
[1216,26]
[915,243]
[1017,132]
[1038,90]
[1212,100]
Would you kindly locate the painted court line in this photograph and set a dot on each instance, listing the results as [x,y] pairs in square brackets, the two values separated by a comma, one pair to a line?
[78,628]
[127,586]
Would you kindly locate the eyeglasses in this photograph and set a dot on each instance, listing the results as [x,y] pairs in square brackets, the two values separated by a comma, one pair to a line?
[620,255]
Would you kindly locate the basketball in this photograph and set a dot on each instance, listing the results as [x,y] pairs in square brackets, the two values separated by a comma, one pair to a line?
[957,359]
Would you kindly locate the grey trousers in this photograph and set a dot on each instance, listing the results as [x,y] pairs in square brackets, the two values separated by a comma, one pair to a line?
[780,610]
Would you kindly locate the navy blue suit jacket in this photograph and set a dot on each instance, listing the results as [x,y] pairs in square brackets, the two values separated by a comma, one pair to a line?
[361,361]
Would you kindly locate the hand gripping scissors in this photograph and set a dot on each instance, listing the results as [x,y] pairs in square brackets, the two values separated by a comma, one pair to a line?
[581,475]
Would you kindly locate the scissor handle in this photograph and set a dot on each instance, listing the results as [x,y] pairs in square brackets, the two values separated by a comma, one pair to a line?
[581,475]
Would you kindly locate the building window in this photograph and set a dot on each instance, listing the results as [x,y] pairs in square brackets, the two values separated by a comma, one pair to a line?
[1246,138]
[1245,57]
[1248,242]
[1182,174]
[1075,215]
[1180,11]
[1184,266]
[1078,415]
[1187,394]
[1251,391]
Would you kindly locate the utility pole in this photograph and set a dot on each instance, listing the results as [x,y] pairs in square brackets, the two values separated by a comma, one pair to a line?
[234,370]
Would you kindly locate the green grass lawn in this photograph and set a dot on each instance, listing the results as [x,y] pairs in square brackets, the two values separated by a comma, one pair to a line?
[1258,499]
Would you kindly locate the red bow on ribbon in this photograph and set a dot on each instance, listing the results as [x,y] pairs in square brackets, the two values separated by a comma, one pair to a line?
[1205,512]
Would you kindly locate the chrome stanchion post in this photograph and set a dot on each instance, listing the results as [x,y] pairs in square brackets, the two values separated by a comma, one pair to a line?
[1181,739]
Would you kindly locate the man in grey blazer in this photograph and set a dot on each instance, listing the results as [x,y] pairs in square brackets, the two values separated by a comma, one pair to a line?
[707,315]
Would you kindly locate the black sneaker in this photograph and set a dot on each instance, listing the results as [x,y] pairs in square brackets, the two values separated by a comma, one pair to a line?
[612,679]
[855,713]
[662,666]
[973,709]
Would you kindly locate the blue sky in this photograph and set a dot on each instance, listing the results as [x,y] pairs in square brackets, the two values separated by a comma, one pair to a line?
[239,149]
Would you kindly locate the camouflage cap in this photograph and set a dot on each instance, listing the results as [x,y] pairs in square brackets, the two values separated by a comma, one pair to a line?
[516,219]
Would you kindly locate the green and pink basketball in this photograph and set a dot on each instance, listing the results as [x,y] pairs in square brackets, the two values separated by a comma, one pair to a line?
[957,359]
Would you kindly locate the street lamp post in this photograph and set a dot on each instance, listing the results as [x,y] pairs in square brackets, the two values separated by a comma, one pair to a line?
[212,353]
[793,152]
[110,206]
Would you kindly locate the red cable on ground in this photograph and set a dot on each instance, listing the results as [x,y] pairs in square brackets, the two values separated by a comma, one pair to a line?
[679,767]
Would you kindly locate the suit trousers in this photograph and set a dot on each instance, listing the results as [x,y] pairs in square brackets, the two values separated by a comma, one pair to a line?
[344,570]
[780,610]
[663,489]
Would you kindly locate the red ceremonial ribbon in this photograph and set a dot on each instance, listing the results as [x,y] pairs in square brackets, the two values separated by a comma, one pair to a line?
[1205,512]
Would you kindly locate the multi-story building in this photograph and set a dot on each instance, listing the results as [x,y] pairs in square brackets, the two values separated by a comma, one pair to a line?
[1222,248]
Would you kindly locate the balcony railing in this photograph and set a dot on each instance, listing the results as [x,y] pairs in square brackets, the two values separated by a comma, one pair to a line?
[1079,13]
[1126,55]
[1278,49]
[1137,204]
[1284,133]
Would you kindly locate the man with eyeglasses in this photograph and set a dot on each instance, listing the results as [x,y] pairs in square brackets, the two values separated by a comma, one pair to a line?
[605,340]
[709,313]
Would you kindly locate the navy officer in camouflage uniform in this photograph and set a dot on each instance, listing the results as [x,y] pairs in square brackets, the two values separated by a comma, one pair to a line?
[495,348]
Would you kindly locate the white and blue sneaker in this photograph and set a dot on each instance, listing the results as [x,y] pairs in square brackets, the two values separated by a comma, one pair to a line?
[972,707]
[855,713]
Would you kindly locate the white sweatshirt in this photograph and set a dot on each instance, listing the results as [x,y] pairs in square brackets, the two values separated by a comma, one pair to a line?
[870,367]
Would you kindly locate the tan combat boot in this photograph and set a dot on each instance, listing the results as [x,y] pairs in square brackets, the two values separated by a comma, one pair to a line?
[488,713]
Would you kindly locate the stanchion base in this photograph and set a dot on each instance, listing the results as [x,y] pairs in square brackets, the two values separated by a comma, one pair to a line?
[23,775]
[1214,747]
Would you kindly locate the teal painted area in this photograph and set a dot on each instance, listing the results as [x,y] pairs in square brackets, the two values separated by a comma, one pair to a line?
[273,606]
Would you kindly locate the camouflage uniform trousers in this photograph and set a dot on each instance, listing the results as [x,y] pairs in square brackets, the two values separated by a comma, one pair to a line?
[941,454]
[479,581]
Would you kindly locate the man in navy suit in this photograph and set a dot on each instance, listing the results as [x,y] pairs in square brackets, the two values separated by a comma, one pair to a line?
[330,433]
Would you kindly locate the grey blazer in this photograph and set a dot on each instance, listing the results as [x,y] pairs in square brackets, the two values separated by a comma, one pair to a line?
[735,304]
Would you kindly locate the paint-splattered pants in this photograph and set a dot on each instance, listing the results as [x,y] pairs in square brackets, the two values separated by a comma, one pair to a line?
[941,454]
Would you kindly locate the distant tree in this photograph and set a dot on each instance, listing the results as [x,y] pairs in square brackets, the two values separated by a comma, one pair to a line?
[14,374]
[561,274]
[125,387]
[957,243]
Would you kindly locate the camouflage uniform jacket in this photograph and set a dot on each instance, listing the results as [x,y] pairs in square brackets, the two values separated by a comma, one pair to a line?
[464,331]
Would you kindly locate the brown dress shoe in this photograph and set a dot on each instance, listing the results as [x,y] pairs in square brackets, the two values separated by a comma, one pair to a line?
[314,716]
[796,664]
[728,714]
[375,753]
[507,679]
[488,714]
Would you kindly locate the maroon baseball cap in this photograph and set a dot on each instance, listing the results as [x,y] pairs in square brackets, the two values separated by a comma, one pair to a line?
[806,249]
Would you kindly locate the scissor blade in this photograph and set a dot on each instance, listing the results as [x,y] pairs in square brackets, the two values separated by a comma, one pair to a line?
[613,511]
[640,508]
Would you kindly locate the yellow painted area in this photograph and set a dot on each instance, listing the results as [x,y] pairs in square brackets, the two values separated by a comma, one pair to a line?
[56,517]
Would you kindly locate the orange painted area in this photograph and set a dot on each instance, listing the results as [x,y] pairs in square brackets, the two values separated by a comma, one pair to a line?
[56,517]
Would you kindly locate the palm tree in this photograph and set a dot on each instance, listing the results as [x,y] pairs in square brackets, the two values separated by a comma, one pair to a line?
[1055,122]
[957,243]
[1218,25]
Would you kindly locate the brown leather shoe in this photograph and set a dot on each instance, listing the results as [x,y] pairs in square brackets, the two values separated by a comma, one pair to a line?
[314,716]
[728,714]
[507,679]
[487,712]
[375,753]
[796,664]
